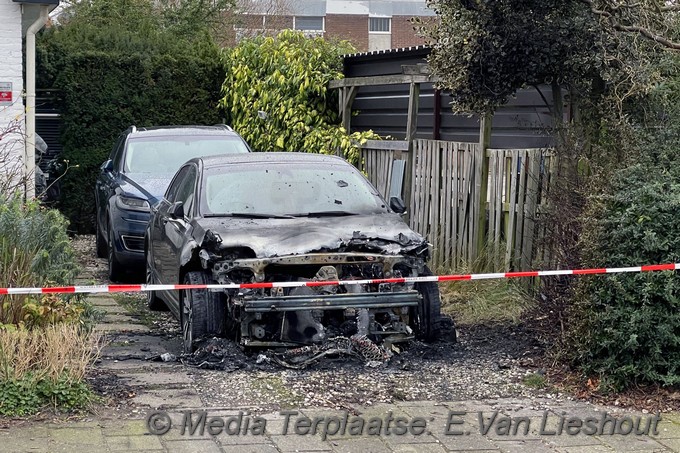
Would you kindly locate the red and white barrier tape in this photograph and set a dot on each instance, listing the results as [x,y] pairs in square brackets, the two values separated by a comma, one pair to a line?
[433,278]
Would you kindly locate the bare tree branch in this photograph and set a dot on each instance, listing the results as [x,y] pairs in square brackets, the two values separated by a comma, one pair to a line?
[643,30]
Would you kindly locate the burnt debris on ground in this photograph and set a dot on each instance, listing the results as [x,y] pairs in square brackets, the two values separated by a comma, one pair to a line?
[225,355]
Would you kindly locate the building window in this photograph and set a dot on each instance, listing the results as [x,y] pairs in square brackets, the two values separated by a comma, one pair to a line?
[308,23]
[379,24]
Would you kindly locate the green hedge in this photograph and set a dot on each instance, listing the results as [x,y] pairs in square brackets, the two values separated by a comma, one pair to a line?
[103,94]
[627,327]
[109,78]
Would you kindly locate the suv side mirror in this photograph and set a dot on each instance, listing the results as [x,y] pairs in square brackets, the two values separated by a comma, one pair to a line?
[397,205]
[107,166]
[177,210]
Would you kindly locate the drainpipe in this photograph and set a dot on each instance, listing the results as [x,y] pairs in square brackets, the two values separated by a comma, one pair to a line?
[30,99]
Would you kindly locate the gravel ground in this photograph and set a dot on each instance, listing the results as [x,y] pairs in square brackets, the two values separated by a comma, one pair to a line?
[485,362]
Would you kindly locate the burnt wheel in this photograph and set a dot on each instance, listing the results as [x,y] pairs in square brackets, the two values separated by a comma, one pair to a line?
[202,311]
[154,302]
[428,313]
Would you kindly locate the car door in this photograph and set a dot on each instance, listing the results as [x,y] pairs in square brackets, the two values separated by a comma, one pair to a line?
[105,186]
[174,231]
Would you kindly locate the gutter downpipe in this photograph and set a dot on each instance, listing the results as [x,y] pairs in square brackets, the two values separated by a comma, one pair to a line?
[30,99]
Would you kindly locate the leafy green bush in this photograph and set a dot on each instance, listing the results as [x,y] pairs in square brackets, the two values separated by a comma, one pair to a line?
[34,251]
[627,326]
[34,228]
[287,78]
[29,394]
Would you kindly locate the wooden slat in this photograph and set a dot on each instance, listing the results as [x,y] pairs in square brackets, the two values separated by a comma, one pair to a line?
[427,190]
[380,80]
[397,145]
[416,181]
[473,170]
[520,209]
[388,180]
[552,169]
[543,192]
[453,197]
[447,202]
[498,207]
[530,212]
[491,207]
[422,168]
[512,208]
[463,225]
[436,200]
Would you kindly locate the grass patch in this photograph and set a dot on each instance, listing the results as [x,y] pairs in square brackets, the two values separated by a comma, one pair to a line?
[535,380]
[136,306]
[485,302]
[499,301]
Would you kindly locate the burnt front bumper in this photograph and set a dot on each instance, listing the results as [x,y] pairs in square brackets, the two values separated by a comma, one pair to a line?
[332,302]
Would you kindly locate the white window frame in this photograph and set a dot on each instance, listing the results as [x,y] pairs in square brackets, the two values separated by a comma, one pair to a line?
[389,22]
[323,24]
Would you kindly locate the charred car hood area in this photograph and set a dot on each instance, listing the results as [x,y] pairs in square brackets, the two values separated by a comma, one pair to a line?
[266,238]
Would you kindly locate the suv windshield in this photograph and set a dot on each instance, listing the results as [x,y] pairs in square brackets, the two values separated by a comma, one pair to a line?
[162,155]
[298,189]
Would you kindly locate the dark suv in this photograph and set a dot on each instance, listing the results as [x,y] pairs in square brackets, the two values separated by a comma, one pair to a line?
[136,174]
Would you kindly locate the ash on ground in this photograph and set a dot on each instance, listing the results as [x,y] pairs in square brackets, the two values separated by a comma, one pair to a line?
[487,362]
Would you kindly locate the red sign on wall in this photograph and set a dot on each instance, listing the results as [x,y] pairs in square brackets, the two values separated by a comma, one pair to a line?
[5,93]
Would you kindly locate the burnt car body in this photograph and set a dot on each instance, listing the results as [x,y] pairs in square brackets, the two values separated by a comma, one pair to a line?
[293,217]
[137,172]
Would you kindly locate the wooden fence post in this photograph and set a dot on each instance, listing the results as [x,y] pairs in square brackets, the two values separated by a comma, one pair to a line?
[411,128]
[482,182]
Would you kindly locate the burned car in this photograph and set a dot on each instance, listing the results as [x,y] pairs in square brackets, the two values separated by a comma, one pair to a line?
[287,217]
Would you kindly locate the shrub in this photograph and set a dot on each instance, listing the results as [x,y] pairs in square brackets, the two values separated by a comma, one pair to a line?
[287,78]
[45,367]
[12,142]
[35,251]
[627,326]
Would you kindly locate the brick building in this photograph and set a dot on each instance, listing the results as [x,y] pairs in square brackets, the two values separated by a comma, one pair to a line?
[369,24]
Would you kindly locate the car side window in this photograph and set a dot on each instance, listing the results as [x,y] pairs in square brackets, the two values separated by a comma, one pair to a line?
[182,188]
[171,192]
[117,152]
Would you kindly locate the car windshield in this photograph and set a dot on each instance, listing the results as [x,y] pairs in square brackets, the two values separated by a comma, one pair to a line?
[286,190]
[162,155]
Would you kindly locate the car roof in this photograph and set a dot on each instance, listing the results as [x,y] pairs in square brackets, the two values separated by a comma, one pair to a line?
[270,157]
[169,131]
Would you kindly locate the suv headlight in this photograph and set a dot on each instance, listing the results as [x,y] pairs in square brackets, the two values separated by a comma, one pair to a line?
[132,204]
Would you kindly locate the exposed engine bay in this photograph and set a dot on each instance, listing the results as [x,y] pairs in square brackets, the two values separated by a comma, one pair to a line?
[385,313]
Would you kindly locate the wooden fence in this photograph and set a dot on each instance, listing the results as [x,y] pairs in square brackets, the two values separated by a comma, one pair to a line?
[443,185]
